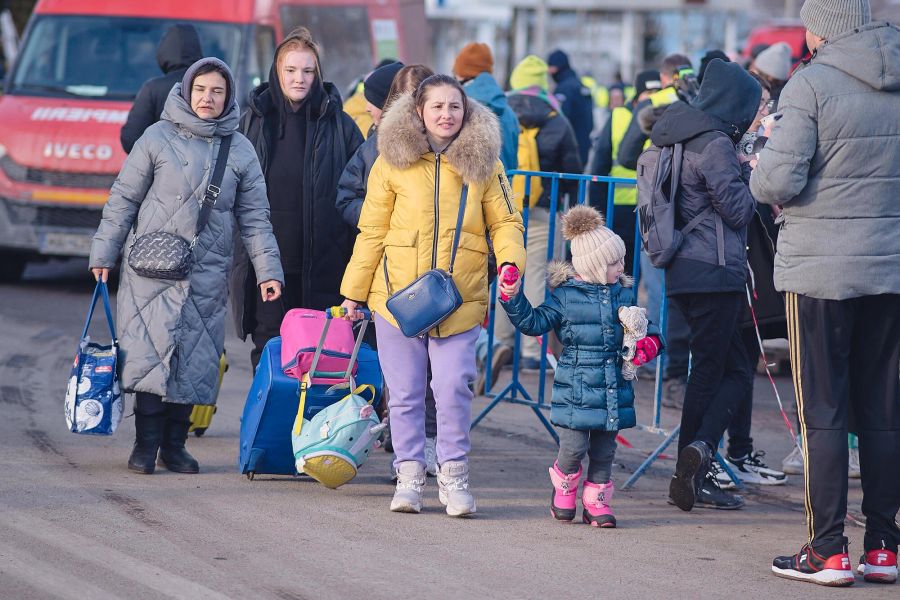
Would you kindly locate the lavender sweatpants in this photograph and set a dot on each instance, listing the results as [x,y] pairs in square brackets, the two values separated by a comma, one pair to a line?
[404,362]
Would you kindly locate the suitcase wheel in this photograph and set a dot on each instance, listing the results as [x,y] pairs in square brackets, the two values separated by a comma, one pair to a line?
[251,475]
[200,431]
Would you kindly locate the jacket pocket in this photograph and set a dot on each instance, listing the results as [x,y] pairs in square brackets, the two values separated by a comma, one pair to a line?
[473,242]
[470,270]
[400,263]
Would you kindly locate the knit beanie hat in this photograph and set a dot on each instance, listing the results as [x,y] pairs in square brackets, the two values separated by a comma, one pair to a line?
[775,61]
[828,18]
[532,71]
[473,60]
[594,246]
[378,83]
[187,82]
[558,59]
[646,81]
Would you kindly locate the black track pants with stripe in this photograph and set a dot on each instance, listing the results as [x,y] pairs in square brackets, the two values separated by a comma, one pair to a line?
[845,356]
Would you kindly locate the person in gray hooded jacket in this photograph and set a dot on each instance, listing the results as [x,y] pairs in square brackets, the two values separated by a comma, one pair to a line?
[172,333]
[831,163]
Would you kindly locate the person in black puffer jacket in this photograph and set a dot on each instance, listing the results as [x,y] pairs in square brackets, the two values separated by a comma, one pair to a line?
[707,275]
[179,49]
[303,140]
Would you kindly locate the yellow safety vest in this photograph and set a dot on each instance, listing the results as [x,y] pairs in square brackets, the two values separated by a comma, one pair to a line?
[664,97]
[625,195]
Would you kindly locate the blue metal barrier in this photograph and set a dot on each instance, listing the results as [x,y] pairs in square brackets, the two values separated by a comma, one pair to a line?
[514,392]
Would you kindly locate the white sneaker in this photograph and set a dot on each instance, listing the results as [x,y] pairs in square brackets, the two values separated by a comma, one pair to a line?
[453,488]
[410,483]
[431,466]
[751,469]
[793,462]
[721,476]
[853,466]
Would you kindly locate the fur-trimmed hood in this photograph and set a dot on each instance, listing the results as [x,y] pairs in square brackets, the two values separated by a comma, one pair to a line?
[473,154]
[560,271]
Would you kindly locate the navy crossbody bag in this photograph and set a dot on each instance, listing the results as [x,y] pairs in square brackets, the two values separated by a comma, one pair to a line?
[432,298]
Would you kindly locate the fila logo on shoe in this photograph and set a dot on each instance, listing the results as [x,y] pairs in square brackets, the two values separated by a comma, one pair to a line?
[882,558]
[839,562]
[803,557]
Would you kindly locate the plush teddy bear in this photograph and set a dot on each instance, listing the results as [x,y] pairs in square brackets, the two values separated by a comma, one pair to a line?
[634,321]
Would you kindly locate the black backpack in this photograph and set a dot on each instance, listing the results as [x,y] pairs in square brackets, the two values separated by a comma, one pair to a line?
[658,178]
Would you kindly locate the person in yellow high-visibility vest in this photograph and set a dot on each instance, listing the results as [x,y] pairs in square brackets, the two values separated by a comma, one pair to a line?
[605,162]
[633,143]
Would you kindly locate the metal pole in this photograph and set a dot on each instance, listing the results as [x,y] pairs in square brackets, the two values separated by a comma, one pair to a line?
[541,18]
[551,241]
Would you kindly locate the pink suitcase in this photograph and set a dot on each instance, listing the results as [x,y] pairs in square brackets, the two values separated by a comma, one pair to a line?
[302,331]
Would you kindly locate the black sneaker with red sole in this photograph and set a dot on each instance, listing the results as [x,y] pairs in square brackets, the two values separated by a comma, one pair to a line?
[878,566]
[808,565]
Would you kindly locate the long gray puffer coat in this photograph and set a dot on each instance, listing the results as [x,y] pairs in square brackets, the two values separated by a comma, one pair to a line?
[831,161]
[171,333]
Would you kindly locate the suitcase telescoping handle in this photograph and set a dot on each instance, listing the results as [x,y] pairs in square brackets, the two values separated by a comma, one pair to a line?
[338,312]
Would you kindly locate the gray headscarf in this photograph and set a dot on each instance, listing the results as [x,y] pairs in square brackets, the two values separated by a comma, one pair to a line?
[187,82]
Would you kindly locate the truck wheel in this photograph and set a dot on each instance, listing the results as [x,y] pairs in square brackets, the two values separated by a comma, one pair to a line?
[11,267]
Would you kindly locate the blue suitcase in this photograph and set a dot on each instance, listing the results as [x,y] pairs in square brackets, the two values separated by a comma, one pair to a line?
[272,405]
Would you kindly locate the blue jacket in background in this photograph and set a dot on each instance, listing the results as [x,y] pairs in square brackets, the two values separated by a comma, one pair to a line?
[577,102]
[588,389]
[485,89]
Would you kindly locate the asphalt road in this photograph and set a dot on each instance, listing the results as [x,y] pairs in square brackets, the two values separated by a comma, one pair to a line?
[75,523]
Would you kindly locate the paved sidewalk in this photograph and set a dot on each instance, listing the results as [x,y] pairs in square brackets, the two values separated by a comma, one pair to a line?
[75,523]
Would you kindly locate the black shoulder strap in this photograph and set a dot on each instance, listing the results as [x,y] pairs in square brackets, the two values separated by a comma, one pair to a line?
[213,190]
[459,222]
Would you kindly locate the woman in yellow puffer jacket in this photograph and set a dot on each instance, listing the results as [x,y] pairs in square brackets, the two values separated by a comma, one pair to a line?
[430,144]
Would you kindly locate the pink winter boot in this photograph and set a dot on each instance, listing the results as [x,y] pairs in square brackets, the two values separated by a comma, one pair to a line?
[562,506]
[596,497]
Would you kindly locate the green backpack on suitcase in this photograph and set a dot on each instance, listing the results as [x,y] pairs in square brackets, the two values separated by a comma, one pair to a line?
[332,445]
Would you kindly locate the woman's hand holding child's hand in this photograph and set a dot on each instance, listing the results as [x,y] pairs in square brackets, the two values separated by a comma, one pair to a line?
[646,350]
[510,283]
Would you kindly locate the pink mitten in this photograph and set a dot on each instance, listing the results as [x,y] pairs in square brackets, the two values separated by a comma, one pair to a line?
[509,274]
[646,350]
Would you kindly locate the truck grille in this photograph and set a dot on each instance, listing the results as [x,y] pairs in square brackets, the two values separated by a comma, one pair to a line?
[54,216]
[24,174]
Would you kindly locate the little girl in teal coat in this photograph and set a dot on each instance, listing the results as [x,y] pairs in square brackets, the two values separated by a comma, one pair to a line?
[591,399]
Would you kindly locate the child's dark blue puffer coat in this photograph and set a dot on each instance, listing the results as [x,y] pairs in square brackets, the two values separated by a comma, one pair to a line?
[588,389]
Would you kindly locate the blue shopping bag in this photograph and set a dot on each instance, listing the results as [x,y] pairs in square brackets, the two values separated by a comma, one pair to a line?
[94,399]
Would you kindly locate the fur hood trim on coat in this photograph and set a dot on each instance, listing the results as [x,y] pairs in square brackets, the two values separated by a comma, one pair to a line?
[473,154]
[560,271]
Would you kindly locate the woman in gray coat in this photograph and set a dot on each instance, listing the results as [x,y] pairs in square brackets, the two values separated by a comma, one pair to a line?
[171,332]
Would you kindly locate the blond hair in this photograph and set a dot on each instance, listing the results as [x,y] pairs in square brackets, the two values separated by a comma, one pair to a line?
[298,40]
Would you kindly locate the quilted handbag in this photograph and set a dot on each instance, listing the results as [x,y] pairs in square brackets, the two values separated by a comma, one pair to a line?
[431,298]
[164,255]
[93,399]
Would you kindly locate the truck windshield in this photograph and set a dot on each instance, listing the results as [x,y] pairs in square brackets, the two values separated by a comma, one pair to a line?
[104,57]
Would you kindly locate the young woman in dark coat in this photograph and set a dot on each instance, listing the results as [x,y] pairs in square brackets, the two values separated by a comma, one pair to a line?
[303,140]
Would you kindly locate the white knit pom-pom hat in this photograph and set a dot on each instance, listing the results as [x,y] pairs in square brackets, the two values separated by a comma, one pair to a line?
[594,246]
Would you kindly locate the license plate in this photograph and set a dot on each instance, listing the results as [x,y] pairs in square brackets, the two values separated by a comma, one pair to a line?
[67,244]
